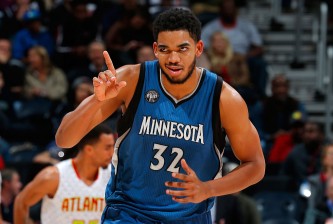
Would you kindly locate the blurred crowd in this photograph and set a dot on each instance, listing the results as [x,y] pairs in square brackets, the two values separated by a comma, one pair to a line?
[51,49]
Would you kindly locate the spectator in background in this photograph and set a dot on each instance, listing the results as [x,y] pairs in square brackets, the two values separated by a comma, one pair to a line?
[219,54]
[243,35]
[304,159]
[244,38]
[11,14]
[13,129]
[114,11]
[127,35]
[13,73]
[10,187]
[95,52]
[33,34]
[318,184]
[324,210]
[43,79]
[233,68]
[78,28]
[96,63]
[278,110]
[145,53]
[206,11]
[45,85]
[285,142]
[58,15]
[158,6]
[328,209]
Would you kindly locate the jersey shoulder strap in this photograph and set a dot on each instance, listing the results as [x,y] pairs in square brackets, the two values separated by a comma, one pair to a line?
[219,133]
[125,122]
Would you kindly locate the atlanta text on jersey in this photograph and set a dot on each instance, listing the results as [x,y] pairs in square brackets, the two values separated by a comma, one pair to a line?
[86,204]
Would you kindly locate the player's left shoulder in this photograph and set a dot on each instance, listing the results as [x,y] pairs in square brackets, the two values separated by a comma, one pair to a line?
[230,96]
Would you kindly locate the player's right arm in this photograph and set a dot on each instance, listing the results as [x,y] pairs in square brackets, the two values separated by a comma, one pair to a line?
[111,90]
[45,183]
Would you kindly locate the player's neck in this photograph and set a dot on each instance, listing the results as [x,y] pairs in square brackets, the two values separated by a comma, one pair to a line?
[85,171]
[179,91]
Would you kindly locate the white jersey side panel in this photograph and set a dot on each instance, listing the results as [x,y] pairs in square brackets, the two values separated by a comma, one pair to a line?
[75,202]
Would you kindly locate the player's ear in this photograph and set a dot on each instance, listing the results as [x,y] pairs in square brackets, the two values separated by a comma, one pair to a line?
[199,48]
[155,49]
[88,149]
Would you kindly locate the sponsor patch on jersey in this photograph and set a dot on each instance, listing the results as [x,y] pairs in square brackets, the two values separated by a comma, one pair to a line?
[152,96]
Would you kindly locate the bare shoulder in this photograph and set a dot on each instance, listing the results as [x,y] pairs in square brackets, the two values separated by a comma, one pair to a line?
[45,183]
[49,174]
[47,180]
[128,72]
[230,97]
[233,109]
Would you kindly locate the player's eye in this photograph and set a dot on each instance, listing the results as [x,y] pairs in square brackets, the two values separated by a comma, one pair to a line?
[183,49]
[163,49]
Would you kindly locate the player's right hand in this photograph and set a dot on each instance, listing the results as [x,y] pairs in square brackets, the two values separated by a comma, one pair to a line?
[106,85]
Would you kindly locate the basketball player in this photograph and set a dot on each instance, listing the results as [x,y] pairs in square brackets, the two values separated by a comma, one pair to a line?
[167,162]
[72,190]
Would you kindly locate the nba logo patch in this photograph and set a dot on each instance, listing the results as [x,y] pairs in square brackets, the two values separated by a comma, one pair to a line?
[152,96]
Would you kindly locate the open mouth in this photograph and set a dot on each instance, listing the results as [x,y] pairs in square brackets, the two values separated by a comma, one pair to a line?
[174,70]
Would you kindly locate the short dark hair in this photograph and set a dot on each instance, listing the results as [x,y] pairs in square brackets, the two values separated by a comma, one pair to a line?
[93,136]
[175,19]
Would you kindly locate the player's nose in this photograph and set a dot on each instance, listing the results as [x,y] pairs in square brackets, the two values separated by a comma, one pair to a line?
[174,57]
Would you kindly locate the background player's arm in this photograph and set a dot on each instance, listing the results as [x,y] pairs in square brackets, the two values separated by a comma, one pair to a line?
[91,111]
[245,142]
[45,183]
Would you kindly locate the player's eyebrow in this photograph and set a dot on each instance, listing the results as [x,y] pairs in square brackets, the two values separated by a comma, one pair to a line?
[162,46]
[179,46]
[183,45]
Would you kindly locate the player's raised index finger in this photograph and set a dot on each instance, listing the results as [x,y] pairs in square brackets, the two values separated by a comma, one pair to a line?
[108,62]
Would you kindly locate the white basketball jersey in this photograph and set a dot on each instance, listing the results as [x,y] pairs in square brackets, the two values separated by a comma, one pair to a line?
[75,202]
